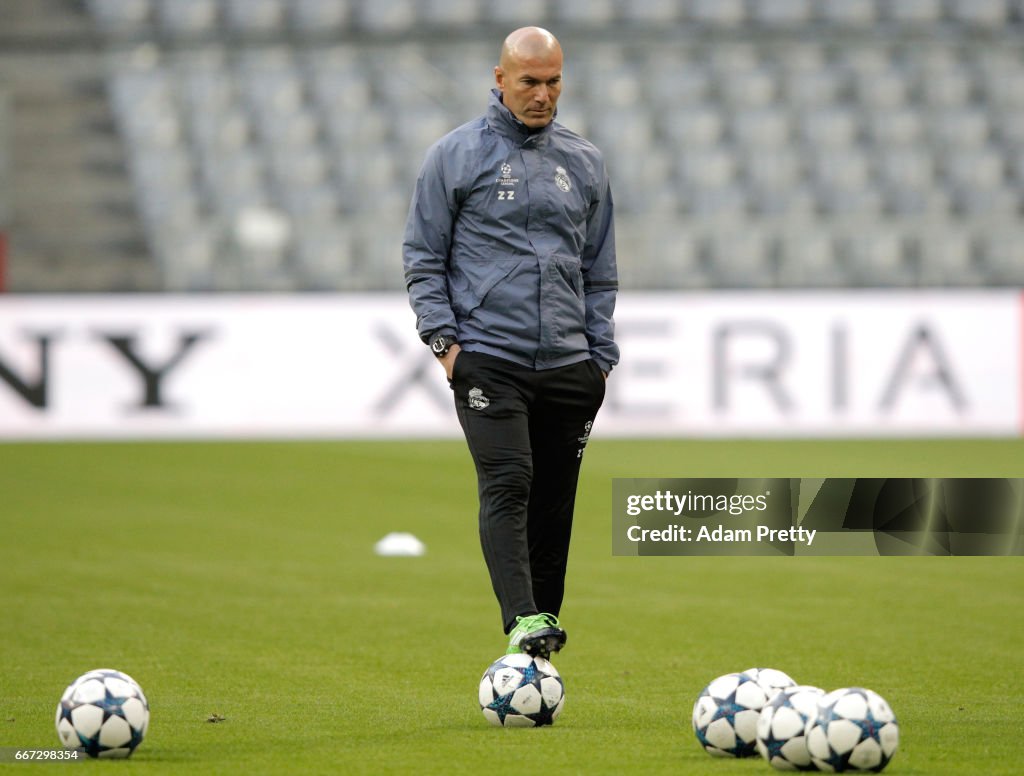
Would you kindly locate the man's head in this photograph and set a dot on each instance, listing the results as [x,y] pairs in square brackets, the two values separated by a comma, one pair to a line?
[529,75]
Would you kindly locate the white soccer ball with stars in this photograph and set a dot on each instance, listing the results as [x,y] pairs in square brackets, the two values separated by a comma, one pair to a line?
[103,713]
[726,711]
[782,725]
[854,729]
[771,679]
[521,691]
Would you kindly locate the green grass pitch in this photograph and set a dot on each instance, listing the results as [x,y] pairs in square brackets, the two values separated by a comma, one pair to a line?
[238,580]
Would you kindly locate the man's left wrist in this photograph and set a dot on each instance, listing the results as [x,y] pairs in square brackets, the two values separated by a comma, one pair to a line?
[440,344]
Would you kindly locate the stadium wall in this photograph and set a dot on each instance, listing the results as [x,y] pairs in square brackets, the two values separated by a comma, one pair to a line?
[872,363]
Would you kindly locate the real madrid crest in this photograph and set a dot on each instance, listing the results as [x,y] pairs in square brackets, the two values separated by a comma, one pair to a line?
[562,179]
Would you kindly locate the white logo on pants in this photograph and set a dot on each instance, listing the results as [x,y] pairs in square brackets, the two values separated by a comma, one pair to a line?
[477,400]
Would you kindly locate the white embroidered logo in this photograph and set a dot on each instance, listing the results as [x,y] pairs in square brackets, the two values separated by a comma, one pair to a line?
[585,438]
[562,179]
[586,432]
[476,399]
[506,178]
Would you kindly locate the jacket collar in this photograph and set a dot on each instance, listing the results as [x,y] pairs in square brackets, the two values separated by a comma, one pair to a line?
[503,121]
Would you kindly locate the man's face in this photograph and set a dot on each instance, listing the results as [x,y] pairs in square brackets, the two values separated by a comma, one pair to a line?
[530,87]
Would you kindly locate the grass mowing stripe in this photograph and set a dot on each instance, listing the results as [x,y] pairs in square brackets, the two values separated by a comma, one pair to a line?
[238,579]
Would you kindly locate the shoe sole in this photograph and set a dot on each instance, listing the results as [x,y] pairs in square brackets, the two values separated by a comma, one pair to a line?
[542,643]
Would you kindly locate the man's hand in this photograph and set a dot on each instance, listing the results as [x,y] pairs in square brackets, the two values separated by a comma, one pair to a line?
[448,360]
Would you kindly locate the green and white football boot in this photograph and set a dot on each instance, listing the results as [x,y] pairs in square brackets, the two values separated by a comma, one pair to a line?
[538,635]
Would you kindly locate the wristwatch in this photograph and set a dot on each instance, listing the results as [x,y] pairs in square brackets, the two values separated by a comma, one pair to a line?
[441,344]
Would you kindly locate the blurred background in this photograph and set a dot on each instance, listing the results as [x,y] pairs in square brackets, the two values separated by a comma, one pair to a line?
[271,145]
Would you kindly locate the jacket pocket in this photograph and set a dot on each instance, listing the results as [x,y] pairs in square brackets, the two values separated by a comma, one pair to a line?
[472,280]
[570,271]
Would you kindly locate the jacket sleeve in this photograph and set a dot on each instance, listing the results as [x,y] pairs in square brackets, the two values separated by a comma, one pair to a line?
[426,246]
[600,277]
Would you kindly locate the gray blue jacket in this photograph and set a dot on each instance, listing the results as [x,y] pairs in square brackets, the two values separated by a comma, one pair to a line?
[510,244]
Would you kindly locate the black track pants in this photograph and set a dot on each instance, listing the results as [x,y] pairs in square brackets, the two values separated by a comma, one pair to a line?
[526,431]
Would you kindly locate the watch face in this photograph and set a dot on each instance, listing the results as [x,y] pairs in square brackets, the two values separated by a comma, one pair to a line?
[441,345]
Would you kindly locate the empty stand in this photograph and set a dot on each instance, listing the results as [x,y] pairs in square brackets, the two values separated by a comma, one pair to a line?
[743,137]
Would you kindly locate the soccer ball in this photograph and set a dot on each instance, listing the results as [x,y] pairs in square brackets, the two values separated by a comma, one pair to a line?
[521,691]
[726,713]
[782,724]
[853,730]
[103,713]
[771,679]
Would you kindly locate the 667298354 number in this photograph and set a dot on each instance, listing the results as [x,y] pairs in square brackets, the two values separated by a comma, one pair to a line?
[11,754]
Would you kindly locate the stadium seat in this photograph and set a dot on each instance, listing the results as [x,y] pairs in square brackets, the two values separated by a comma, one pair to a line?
[299,165]
[945,256]
[764,128]
[717,13]
[709,167]
[386,16]
[748,88]
[674,252]
[324,255]
[117,17]
[320,17]
[422,126]
[905,168]
[807,257]
[960,129]
[230,181]
[349,131]
[881,89]
[1001,79]
[691,125]
[774,180]
[830,127]
[449,14]
[644,183]
[187,259]
[855,14]
[518,13]
[741,257]
[184,18]
[842,182]
[980,168]
[776,168]
[654,12]
[917,12]
[377,252]
[166,168]
[782,13]
[986,14]
[945,89]
[584,13]
[875,257]
[253,17]
[206,89]
[671,79]
[897,126]
[812,87]
[340,91]
[907,176]
[1008,127]
[1000,252]
[270,85]
[804,55]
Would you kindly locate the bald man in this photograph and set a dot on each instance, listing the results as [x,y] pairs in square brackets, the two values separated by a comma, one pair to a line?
[509,257]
